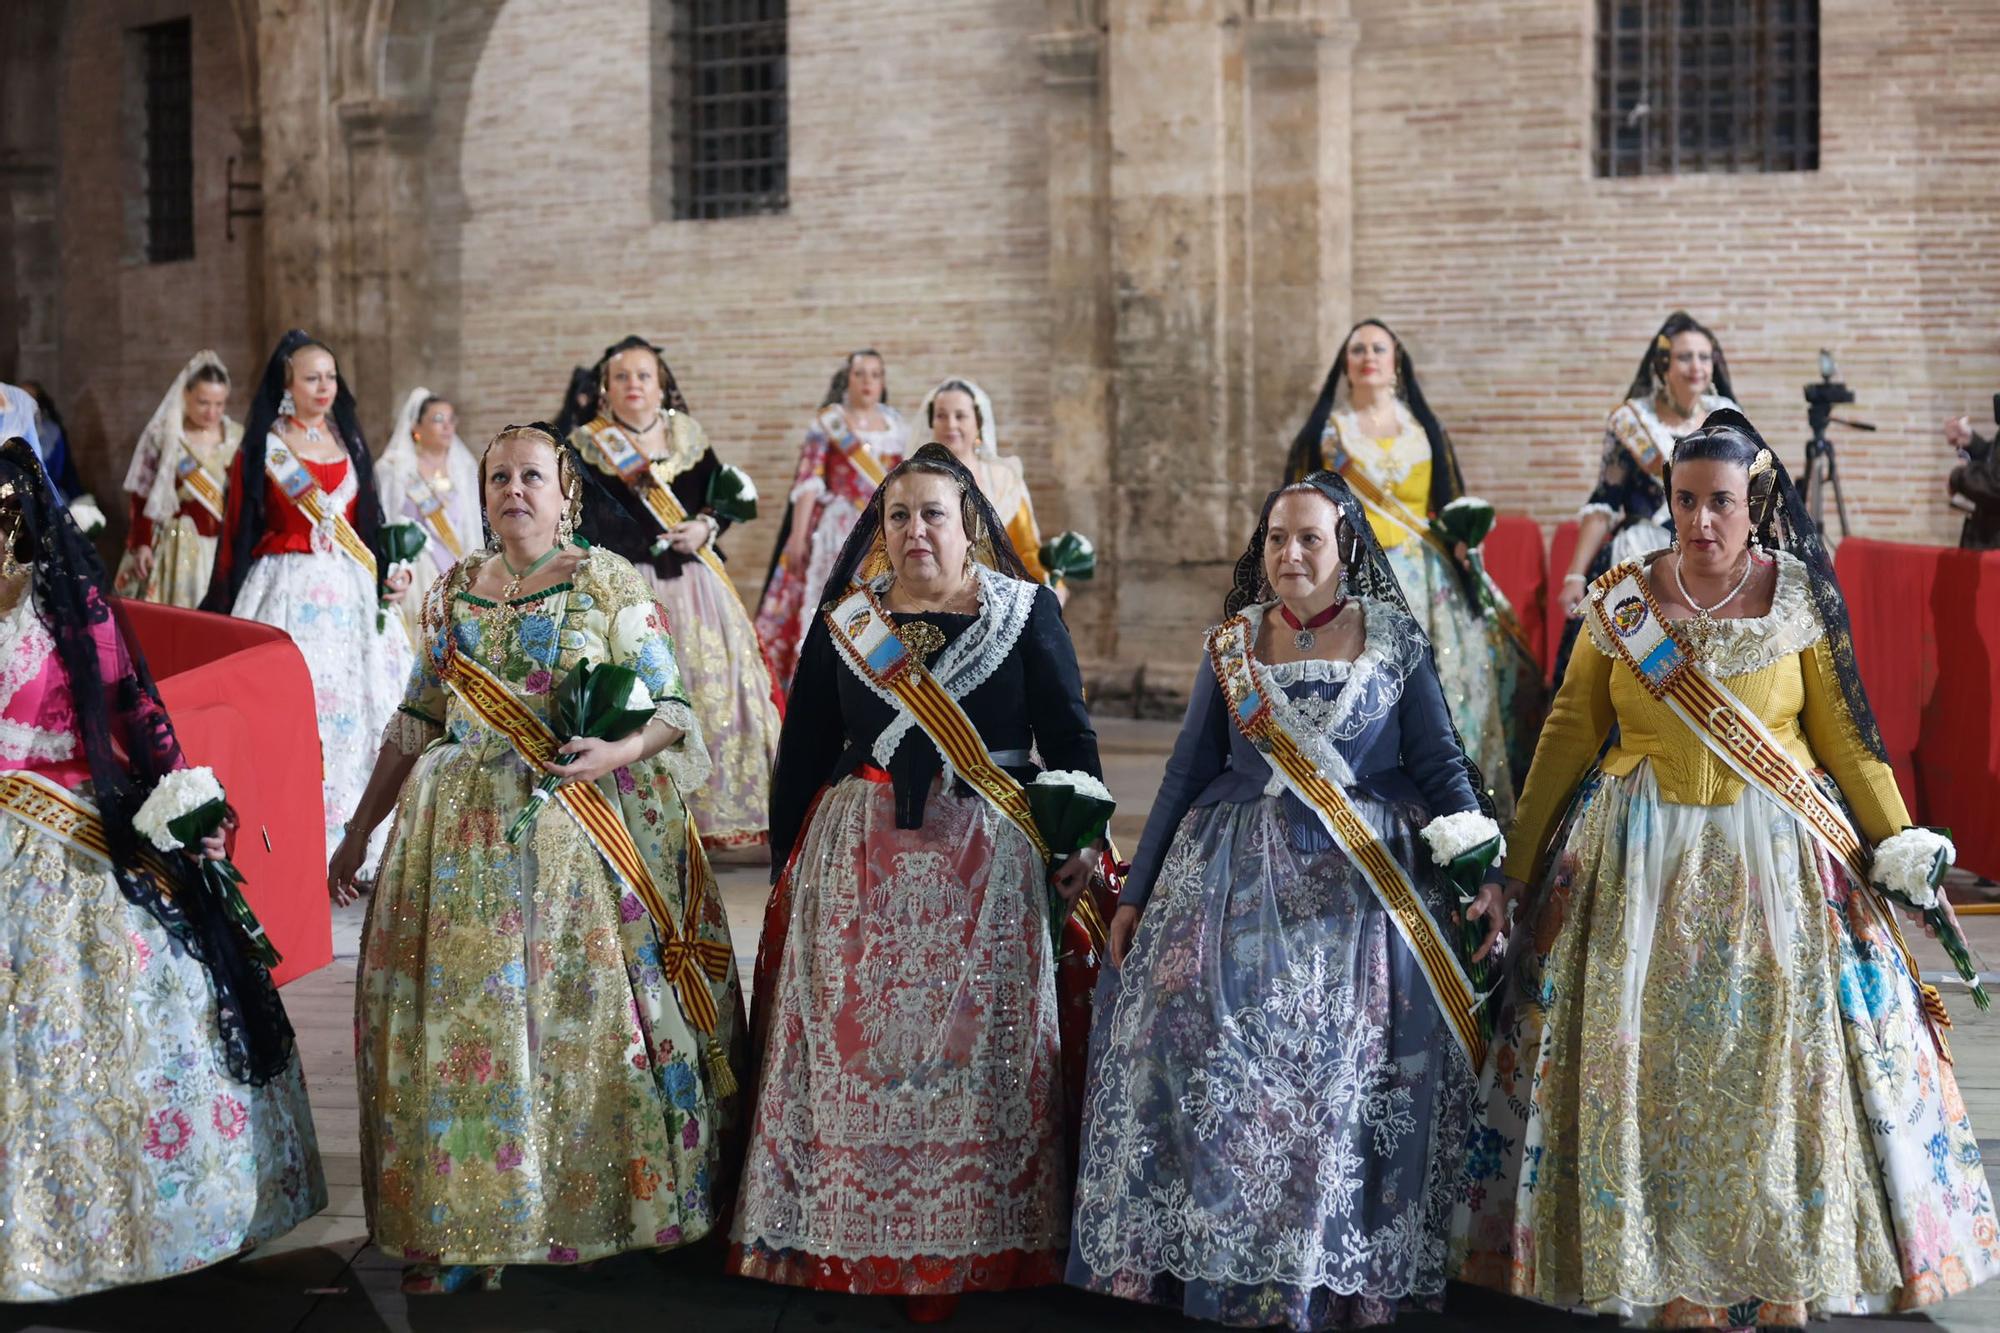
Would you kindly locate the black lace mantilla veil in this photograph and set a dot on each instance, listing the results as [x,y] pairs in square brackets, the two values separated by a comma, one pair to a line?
[1784,525]
[263,418]
[1366,574]
[864,556]
[72,593]
[1652,372]
[1307,457]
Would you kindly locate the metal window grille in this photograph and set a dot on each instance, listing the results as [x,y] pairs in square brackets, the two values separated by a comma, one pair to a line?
[1707,85]
[169,63]
[730,147]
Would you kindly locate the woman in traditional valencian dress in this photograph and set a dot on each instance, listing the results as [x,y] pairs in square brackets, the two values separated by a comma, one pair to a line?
[1386,443]
[1715,1097]
[647,473]
[1682,378]
[908,1134]
[155,1119]
[959,416]
[546,1030]
[1278,1100]
[850,446]
[428,477]
[298,551]
[178,480]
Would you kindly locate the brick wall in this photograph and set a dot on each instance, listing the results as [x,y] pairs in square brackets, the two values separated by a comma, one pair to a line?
[1528,290]
[918,225]
[127,326]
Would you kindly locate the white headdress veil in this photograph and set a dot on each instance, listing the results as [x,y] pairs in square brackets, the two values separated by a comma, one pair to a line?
[163,439]
[989,434]
[402,448]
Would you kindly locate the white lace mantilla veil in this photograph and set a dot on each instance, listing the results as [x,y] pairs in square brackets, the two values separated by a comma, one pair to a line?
[163,437]
[989,432]
[402,448]
[1006,482]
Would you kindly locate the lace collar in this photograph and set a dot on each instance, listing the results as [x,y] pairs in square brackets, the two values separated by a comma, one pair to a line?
[26,650]
[1390,466]
[1751,643]
[1665,437]
[1374,684]
[967,661]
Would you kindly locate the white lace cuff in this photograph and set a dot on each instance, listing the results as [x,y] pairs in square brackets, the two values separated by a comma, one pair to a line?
[810,489]
[408,733]
[1610,514]
[686,760]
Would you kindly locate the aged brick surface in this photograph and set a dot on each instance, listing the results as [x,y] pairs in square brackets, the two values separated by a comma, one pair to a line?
[1152,235]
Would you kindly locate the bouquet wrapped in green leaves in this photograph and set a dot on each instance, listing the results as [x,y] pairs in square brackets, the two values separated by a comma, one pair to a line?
[395,544]
[732,494]
[1467,519]
[1068,555]
[1464,847]
[600,700]
[1072,810]
[185,807]
[1908,868]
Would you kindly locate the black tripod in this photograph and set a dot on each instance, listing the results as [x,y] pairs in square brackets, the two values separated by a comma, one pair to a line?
[1822,466]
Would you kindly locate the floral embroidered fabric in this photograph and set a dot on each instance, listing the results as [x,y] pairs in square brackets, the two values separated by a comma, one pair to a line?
[1275,1108]
[530,1089]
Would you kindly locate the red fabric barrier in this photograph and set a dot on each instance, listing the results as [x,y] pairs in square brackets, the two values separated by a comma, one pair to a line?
[242,704]
[1927,637]
[1514,558]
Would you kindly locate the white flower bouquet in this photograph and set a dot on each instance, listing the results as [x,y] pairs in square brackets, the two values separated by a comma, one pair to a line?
[1464,846]
[1908,868]
[184,807]
[89,519]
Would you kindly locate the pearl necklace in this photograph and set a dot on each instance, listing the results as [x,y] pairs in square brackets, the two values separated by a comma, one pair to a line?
[1704,626]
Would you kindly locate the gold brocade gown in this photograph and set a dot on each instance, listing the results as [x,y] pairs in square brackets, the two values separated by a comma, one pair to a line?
[531,1090]
[1713,1098]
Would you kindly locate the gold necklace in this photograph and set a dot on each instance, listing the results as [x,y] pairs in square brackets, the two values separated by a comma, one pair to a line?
[1702,629]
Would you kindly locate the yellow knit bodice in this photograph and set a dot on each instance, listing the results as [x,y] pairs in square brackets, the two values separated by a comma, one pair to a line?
[1786,678]
[1399,464]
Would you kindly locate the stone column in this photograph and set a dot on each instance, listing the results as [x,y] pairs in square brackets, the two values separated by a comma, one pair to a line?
[30,248]
[1080,316]
[1174,476]
[298,170]
[1299,68]
[382,292]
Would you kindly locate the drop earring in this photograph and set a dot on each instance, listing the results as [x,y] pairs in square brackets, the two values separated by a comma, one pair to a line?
[286,407]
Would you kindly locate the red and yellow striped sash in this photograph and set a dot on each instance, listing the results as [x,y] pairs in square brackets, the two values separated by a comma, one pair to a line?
[1229,655]
[869,642]
[1392,508]
[195,484]
[842,435]
[296,484]
[689,961]
[630,466]
[70,820]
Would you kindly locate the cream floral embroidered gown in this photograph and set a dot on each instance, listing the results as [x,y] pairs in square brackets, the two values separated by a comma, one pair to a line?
[1713,1099]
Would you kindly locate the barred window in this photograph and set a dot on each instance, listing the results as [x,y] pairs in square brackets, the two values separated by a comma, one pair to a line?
[168,54]
[1707,85]
[729,146]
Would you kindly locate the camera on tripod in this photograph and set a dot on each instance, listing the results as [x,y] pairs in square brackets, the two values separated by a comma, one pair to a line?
[1822,470]
[1823,397]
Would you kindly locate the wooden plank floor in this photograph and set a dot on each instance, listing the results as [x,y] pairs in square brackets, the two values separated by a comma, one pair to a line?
[324,1278]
